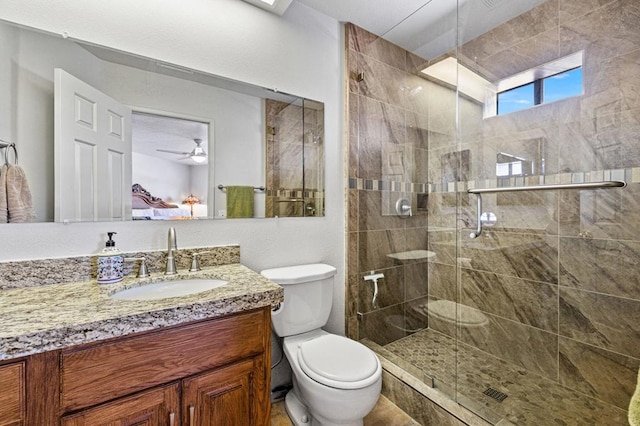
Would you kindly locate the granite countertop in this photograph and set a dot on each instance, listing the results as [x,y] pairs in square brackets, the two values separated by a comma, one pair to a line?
[39,319]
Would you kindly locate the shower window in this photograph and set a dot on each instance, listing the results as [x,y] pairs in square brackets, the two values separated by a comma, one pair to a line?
[553,88]
[546,83]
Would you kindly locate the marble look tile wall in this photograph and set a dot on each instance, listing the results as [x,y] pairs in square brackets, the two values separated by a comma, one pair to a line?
[388,143]
[558,276]
[294,133]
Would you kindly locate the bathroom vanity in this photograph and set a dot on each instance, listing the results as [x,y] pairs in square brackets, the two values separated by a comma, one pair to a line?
[194,360]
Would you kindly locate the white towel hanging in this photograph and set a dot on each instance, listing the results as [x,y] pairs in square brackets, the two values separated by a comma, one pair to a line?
[14,186]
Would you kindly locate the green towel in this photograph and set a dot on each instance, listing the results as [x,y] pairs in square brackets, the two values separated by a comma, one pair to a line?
[240,201]
[634,406]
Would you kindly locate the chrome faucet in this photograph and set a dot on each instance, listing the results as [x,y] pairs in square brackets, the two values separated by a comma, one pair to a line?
[172,245]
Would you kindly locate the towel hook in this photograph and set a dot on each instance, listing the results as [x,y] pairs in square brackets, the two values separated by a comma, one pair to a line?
[6,153]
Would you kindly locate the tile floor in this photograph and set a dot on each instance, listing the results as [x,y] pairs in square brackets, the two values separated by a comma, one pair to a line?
[385,413]
[531,399]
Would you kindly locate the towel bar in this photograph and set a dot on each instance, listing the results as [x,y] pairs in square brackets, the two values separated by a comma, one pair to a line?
[256,188]
[588,185]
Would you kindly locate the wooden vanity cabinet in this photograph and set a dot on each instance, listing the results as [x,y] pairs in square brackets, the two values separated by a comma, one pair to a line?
[213,372]
[209,372]
[222,397]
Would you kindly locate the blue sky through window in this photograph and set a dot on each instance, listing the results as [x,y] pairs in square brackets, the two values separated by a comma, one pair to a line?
[563,85]
[555,87]
[515,99]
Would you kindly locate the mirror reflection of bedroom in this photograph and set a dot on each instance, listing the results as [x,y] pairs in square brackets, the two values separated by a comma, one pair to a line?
[170,172]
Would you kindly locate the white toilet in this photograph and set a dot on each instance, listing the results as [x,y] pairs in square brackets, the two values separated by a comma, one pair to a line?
[336,381]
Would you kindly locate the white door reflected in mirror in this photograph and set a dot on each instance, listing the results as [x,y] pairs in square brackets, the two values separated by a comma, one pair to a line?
[92,153]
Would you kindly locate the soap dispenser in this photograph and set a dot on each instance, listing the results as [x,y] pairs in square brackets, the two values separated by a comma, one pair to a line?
[110,262]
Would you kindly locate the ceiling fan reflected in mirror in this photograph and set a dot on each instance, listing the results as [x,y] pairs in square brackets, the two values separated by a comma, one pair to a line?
[198,154]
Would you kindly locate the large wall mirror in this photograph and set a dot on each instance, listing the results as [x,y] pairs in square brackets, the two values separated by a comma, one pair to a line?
[104,135]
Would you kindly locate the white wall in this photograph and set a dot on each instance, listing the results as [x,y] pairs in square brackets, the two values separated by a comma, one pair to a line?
[162,178]
[8,48]
[240,150]
[199,176]
[299,53]
[29,103]
[237,120]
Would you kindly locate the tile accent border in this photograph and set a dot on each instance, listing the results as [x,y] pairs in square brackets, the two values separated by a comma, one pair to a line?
[292,193]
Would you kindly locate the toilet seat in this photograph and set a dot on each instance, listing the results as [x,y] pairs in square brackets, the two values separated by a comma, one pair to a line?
[338,362]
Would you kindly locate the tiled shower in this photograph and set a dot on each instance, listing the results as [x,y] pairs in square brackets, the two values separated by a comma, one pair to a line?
[294,154]
[544,307]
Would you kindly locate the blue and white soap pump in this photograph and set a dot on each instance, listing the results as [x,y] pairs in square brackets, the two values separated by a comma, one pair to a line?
[110,263]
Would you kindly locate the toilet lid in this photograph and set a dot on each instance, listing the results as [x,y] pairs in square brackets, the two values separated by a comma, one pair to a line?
[339,362]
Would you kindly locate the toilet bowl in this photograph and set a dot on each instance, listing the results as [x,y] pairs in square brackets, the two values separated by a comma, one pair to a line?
[336,380]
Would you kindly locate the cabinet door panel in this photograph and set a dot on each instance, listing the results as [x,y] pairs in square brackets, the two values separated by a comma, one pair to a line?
[12,405]
[135,363]
[220,398]
[42,389]
[151,408]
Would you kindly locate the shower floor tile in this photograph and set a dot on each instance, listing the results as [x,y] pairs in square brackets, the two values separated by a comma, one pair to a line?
[531,399]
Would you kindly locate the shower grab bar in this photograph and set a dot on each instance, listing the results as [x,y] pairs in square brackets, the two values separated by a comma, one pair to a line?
[588,185]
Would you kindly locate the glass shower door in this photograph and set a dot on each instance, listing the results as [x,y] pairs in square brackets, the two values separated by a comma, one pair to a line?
[536,308]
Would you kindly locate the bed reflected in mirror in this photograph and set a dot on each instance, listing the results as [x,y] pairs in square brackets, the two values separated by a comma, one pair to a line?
[170,167]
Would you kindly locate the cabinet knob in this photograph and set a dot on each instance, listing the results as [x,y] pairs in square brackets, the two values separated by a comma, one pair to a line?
[192,415]
[172,419]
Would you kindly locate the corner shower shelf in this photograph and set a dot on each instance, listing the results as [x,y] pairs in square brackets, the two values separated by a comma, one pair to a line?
[588,185]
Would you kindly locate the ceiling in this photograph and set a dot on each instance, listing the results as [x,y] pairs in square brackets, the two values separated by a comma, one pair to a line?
[424,27]
[152,132]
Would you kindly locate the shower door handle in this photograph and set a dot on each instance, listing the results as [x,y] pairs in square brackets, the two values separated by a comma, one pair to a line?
[478,231]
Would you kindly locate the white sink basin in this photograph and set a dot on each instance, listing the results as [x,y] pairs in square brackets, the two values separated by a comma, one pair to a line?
[165,289]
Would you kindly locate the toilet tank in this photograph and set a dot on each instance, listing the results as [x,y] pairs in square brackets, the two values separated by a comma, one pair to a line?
[308,295]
